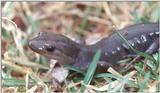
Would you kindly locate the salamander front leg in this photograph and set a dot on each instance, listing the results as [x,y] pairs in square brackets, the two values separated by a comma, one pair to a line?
[152,49]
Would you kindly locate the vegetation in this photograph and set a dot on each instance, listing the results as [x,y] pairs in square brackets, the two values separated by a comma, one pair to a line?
[25,71]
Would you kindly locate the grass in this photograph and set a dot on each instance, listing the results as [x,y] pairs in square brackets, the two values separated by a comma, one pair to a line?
[25,71]
[91,70]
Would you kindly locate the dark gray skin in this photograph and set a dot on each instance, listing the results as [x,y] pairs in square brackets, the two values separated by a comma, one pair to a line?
[143,37]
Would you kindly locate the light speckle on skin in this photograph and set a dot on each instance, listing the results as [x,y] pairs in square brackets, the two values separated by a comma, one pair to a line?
[46,44]
[113,52]
[143,38]
[40,48]
[118,48]
[106,53]
[157,33]
[151,34]
[131,42]
[102,64]
[137,40]
[124,45]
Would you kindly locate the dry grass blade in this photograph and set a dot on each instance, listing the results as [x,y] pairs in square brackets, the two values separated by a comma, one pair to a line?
[21,66]
[16,34]
[108,13]
[16,67]
[112,84]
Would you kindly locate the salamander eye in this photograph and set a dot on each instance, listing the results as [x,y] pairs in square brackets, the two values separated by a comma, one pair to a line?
[49,48]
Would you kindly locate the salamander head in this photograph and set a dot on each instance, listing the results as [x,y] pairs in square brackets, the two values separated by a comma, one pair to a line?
[54,46]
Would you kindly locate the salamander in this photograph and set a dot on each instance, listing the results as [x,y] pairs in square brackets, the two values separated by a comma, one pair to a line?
[142,37]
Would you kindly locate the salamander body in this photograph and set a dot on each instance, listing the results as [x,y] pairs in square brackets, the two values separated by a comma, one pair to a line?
[142,37]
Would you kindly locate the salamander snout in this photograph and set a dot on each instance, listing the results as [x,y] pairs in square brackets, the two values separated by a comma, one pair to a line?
[32,44]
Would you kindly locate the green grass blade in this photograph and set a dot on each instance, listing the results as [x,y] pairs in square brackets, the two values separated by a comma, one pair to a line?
[16,82]
[143,84]
[91,69]
[84,23]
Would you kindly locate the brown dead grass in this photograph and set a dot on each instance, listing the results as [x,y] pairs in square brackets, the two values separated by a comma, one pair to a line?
[64,18]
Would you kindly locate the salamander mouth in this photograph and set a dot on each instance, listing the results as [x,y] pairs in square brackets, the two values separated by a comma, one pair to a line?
[46,54]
